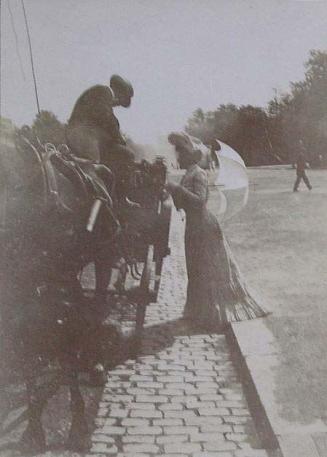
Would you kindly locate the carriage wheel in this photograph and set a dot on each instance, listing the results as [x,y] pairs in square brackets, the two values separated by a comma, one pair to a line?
[144,291]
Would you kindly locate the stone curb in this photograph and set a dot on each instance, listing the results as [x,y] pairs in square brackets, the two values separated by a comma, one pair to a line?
[256,352]
[261,420]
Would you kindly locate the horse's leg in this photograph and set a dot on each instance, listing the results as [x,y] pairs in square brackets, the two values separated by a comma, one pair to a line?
[123,275]
[121,279]
[33,438]
[93,351]
[103,345]
[103,271]
[78,439]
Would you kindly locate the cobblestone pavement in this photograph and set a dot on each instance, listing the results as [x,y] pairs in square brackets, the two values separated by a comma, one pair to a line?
[181,396]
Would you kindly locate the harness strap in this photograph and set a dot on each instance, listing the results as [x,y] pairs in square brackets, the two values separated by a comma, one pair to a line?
[42,168]
[70,170]
[73,170]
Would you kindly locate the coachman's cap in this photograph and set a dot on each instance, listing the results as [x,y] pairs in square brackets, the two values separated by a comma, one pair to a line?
[121,85]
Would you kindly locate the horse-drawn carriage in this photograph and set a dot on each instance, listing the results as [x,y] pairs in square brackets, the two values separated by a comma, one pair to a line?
[54,221]
[50,230]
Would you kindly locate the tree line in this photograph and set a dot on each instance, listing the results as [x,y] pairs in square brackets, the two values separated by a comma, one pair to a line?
[263,136]
[271,135]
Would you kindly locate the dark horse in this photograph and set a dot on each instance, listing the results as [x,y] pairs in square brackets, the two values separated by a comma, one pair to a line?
[45,204]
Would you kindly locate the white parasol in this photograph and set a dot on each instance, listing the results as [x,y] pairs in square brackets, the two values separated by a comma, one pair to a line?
[228,180]
[231,181]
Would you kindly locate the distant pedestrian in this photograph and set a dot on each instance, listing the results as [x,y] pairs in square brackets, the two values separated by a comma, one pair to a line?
[301,166]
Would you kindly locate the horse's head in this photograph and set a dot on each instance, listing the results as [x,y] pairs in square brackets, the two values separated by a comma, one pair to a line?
[146,181]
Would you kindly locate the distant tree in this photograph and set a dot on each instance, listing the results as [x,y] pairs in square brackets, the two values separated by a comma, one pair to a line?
[302,114]
[48,128]
[7,130]
[271,135]
[200,125]
[244,128]
[141,151]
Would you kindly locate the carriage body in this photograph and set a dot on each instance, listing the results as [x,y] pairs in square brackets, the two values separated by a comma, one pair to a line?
[148,225]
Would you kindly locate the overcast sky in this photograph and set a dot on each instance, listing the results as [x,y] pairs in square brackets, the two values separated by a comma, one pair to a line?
[179,54]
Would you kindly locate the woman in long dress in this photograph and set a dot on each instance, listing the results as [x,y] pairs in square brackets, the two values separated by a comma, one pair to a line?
[216,293]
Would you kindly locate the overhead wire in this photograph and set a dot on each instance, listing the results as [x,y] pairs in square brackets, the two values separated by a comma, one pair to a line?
[0,61]
[31,57]
[12,21]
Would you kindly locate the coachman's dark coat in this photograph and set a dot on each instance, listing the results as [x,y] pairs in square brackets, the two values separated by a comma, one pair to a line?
[93,129]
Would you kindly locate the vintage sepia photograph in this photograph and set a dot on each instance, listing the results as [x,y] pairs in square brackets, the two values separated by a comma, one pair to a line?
[163,228]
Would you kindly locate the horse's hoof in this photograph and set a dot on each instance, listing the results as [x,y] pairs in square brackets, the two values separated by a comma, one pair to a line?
[33,441]
[78,440]
[78,444]
[97,377]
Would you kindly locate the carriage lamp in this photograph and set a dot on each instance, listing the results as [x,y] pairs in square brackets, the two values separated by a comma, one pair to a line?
[94,214]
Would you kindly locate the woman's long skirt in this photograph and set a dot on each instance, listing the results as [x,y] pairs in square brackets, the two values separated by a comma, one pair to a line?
[216,292]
